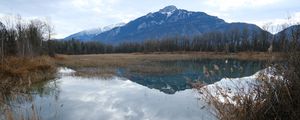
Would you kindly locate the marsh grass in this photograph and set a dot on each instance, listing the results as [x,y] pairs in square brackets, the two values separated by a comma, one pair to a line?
[31,114]
[243,105]
[21,71]
[17,75]
[275,98]
[108,64]
[26,71]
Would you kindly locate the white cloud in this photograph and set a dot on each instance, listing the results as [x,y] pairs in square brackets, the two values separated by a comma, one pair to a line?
[119,99]
[71,16]
[226,5]
[276,25]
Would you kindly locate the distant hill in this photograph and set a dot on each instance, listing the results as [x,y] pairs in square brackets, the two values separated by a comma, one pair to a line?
[87,35]
[167,22]
[287,32]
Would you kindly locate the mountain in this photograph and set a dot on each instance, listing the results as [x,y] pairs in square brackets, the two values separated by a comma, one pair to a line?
[288,32]
[86,35]
[169,22]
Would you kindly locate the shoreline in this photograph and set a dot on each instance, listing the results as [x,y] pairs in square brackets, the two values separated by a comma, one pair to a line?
[275,56]
[106,64]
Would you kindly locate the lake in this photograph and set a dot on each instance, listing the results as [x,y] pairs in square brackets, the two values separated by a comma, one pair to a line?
[130,94]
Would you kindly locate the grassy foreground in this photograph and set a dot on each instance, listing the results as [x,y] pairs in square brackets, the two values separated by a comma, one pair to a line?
[16,71]
[105,64]
[276,97]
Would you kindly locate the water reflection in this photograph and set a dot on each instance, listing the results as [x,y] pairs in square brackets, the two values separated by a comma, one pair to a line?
[129,97]
[205,70]
[75,98]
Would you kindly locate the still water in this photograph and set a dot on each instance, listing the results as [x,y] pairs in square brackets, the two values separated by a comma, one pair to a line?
[131,95]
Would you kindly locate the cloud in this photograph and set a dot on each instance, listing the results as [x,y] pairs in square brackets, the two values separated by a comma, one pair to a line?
[117,99]
[71,16]
[226,5]
[276,25]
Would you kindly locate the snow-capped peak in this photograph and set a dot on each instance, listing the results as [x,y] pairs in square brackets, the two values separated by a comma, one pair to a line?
[109,27]
[93,31]
[103,29]
[88,34]
[169,10]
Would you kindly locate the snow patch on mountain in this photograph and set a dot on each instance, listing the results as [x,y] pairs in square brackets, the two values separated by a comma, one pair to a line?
[169,10]
[109,27]
[90,33]
[167,22]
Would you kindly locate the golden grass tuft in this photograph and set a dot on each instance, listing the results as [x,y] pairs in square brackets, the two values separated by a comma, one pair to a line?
[20,71]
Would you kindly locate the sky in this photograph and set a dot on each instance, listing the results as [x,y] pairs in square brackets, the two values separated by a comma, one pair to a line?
[71,16]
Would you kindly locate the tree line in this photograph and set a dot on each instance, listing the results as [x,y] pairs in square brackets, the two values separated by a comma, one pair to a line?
[23,38]
[227,41]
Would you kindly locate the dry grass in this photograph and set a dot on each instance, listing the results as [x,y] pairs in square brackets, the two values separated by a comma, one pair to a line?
[273,99]
[16,72]
[148,63]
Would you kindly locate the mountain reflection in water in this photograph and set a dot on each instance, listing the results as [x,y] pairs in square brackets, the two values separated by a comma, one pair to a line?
[204,70]
[128,96]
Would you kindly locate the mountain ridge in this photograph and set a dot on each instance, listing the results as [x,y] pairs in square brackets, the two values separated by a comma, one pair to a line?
[169,22]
